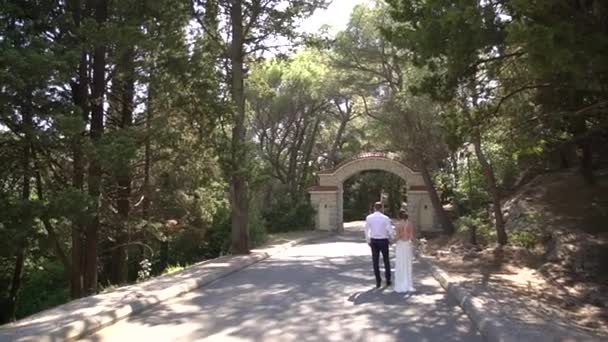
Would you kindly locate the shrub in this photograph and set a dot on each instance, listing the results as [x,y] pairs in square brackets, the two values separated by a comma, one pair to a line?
[189,245]
[527,238]
[217,239]
[484,229]
[257,227]
[286,216]
[45,287]
[528,233]
[172,269]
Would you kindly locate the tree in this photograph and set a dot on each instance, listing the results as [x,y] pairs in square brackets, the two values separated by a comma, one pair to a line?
[110,119]
[386,72]
[288,102]
[487,56]
[464,49]
[80,98]
[30,66]
[248,27]
[565,44]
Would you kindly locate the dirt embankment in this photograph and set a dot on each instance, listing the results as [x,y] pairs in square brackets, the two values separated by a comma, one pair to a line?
[563,268]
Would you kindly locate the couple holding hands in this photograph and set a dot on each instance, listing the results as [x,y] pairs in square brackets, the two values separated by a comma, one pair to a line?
[379,233]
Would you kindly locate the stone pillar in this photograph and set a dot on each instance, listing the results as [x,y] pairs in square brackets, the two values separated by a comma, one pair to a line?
[340,209]
[413,203]
[333,211]
[436,224]
[324,199]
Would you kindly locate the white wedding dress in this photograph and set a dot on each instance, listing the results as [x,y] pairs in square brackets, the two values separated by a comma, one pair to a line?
[403,267]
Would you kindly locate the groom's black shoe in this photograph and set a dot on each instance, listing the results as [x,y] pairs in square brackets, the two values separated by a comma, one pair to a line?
[389,283]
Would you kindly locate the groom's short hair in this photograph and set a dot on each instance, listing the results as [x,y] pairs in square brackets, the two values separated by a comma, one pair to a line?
[378,206]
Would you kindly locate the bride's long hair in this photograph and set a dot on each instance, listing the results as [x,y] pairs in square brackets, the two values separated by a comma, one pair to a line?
[403,215]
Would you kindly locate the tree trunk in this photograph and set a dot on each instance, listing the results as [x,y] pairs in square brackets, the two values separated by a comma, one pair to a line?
[308,152]
[26,218]
[587,161]
[585,151]
[488,172]
[126,89]
[95,171]
[444,220]
[238,179]
[294,151]
[147,188]
[80,98]
[563,159]
[145,209]
[76,276]
[11,307]
[60,253]
[333,154]
[163,255]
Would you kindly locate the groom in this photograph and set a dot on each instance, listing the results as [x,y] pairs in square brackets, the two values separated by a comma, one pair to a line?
[378,231]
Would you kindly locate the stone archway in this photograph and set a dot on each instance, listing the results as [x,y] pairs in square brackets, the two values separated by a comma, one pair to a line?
[326,196]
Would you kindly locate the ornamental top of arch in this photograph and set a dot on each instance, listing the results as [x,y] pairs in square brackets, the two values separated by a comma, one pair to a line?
[392,156]
[384,161]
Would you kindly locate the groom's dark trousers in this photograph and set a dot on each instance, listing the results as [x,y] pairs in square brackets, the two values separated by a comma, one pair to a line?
[380,246]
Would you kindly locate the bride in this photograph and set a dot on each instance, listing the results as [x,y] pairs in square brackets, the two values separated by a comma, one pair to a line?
[403,254]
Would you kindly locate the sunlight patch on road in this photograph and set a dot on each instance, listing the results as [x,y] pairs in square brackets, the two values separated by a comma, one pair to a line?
[428,281]
[280,291]
[225,335]
[427,299]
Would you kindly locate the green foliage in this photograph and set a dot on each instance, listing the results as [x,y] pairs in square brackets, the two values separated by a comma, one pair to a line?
[44,287]
[188,247]
[446,37]
[470,192]
[363,190]
[528,233]
[480,223]
[526,238]
[193,245]
[562,37]
[218,236]
[514,79]
[257,226]
[288,106]
[283,215]
[166,151]
[173,268]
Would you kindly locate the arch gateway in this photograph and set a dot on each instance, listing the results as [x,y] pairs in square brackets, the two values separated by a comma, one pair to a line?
[327,196]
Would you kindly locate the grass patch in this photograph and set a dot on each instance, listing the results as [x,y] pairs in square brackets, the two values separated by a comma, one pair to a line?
[173,268]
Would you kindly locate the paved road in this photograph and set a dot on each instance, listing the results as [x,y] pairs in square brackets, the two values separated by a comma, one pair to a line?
[323,291]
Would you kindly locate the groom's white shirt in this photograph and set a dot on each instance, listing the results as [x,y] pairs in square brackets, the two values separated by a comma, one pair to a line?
[378,226]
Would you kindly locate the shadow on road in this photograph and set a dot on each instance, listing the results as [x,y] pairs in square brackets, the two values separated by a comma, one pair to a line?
[318,291]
